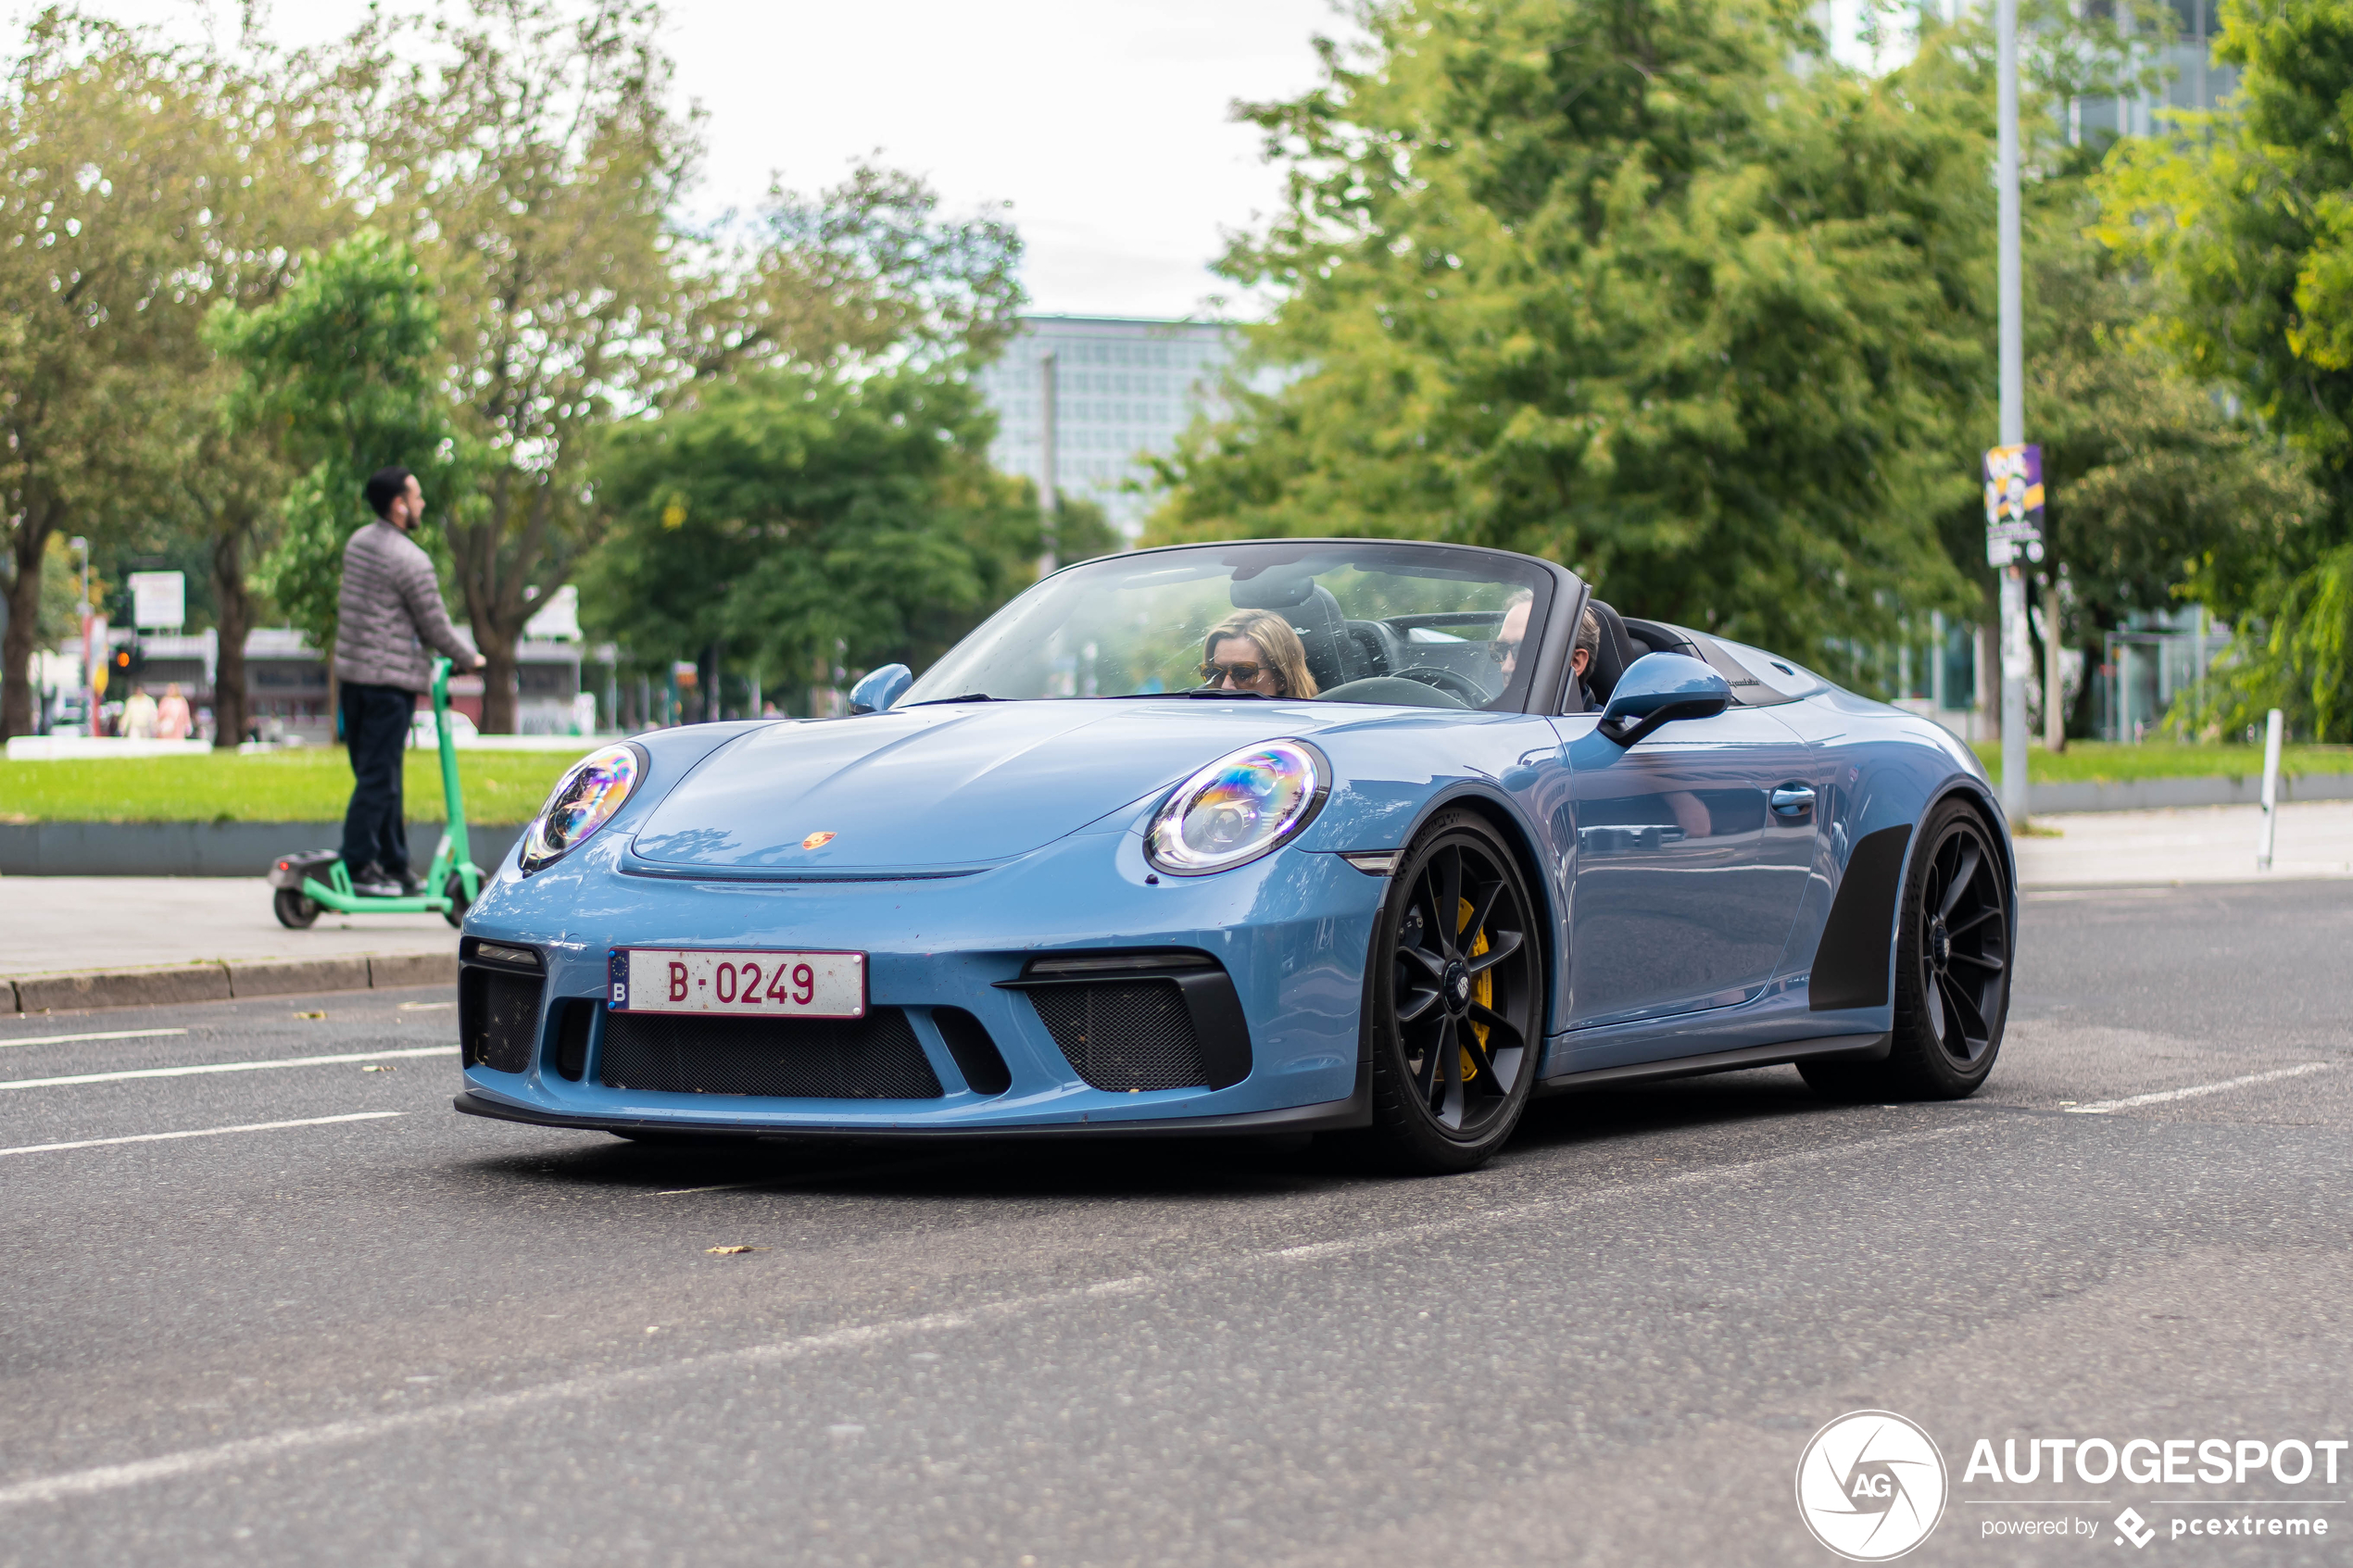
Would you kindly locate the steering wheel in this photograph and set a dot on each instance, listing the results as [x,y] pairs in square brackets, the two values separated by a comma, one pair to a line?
[1446,681]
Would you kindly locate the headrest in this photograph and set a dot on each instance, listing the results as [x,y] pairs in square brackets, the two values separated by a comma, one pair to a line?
[1275,588]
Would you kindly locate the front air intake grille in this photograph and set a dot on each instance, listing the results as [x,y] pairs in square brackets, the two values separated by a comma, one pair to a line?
[877,1057]
[1123,1034]
[497,1018]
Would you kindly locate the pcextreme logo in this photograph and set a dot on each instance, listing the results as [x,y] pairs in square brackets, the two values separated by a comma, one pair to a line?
[1870,1485]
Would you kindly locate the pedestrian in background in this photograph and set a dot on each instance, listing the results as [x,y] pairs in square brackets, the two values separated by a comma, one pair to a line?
[389,612]
[172,719]
[139,715]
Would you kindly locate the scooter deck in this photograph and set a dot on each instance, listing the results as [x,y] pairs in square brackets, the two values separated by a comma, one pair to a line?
[361,904]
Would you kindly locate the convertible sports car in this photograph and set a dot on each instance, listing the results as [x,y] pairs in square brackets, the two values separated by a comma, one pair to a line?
[1292,835]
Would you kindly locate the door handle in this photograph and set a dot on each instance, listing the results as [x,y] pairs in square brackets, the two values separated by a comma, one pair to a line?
[1792,800]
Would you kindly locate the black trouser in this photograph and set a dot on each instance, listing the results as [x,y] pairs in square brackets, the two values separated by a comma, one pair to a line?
[375,726]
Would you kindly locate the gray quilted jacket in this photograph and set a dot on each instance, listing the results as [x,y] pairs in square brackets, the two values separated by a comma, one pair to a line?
[390,609]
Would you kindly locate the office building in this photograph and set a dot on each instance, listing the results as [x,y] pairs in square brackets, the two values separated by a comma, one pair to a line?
[1127,386]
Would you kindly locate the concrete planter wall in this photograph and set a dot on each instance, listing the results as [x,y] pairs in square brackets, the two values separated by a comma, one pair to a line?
[202,849]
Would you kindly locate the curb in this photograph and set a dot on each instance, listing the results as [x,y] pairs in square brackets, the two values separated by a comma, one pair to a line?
[224,980]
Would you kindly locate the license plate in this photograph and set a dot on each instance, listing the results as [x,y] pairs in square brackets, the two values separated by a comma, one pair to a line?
[746,984]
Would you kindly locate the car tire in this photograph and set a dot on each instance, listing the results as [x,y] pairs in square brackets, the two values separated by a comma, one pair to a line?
[1953,951]
[295,908]
[1455,1006]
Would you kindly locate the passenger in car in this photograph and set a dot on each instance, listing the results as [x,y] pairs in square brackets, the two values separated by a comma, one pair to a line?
[1514,630]
[1580,658]
[1253,650]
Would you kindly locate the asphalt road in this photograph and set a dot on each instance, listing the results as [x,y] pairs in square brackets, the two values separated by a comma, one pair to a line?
[416,1337]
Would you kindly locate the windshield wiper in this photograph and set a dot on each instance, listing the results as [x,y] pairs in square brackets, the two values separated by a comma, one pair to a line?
[968,696]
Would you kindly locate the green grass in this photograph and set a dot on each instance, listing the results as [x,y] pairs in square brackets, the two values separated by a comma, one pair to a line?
[2092,761]
[310,786]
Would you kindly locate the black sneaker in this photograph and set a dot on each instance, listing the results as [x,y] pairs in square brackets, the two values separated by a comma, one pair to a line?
[411,883]
[370,881]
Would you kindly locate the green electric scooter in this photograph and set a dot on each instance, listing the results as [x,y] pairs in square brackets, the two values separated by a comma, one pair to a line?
[301,894]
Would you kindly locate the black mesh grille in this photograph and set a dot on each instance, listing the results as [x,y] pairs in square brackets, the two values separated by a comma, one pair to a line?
[1123,1034]
[877,1057]
[497,1018]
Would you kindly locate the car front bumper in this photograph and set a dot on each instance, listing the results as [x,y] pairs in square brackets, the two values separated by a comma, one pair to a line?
[1291,931]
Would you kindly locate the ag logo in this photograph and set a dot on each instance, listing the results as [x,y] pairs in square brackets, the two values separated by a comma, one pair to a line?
[1870,1485]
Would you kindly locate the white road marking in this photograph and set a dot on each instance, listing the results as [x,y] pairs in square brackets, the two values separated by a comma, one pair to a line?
[217,1067]
[2101,1107]
[202,1132]
[102,1034]
[300,1439]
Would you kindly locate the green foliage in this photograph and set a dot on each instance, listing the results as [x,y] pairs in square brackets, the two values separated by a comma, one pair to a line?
[342,372]
[1651,287]
[2244,223]
[796,508]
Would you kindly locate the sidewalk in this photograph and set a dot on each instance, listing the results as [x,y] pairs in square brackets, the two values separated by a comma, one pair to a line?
[113,941]
[2191,845]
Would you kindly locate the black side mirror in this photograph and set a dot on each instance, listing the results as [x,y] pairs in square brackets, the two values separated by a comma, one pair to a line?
[1659,688]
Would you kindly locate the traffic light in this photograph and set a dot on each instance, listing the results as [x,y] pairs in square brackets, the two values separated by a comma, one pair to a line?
[124,660]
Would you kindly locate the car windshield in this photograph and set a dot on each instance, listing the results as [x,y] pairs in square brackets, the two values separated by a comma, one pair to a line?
[1344,621]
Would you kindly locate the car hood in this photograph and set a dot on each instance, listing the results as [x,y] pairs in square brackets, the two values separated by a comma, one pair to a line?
[941,788]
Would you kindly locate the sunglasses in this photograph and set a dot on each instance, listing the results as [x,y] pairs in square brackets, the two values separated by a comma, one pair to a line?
[1498,652]
[1242,673]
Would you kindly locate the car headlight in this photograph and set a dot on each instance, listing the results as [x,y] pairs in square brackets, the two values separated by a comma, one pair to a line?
[583,800]
[1238,807]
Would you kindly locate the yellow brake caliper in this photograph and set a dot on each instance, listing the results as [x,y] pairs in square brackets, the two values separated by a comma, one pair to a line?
[1482,990]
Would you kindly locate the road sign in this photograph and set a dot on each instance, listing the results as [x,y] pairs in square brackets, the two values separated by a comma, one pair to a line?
[2013,504]
[160,600]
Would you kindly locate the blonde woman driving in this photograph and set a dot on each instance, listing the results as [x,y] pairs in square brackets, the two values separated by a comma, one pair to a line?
[1252,650]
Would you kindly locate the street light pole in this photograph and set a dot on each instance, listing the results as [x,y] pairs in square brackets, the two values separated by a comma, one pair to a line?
[1049,487]
[2018,657]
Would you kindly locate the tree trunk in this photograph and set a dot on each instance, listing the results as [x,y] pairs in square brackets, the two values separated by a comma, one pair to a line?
[24,627]
[498,679]
[235,620]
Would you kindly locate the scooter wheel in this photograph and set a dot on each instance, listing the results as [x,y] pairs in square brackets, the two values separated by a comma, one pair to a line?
[455,890]
[294,908]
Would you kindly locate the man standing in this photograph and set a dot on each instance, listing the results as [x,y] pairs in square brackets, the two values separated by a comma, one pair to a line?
[389,611]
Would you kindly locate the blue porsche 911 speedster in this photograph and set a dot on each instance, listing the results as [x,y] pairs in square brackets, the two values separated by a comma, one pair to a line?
[1256,837]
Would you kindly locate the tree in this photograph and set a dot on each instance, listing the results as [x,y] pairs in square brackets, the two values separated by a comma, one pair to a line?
[1651,287]
[2245,224]
[110,167]
[341,374]
[796,510]
[534,160]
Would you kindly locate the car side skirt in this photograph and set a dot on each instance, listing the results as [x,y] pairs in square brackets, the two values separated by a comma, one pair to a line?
[1828,1047]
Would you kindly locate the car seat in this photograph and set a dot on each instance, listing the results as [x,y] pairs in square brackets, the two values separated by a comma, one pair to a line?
[1612,655]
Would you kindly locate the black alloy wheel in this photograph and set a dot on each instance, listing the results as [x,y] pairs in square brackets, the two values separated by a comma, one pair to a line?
[1455,999]
[1952,971]
[295,908]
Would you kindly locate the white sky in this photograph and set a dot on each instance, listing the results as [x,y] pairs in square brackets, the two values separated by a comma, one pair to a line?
[1103,125]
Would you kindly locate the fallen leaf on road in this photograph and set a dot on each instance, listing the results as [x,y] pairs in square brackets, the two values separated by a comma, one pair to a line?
[730,1251]
[311,1015]
[376,1067]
